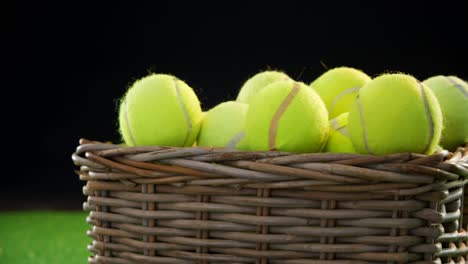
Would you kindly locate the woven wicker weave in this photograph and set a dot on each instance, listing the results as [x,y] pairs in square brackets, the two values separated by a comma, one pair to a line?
[200,205]
[465,209]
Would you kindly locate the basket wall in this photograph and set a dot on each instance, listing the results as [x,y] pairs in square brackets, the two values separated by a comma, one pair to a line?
[196,205]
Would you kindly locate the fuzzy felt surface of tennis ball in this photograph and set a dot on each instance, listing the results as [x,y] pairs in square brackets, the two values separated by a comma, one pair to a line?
[257,82]
[223,125]
[160,110]
[339,141]
[395,113]
[452,94]
[338,88]
[287,116]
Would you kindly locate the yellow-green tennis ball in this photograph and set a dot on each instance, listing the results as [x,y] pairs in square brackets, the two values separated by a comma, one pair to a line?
[452,94]
[242,145]
[223,125]
[287,116]
[339,140]
[338,88]
[160,110]
[395,113]
[203,114]
[257,82]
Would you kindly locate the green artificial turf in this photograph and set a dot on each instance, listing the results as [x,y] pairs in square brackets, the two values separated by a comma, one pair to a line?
[43,237]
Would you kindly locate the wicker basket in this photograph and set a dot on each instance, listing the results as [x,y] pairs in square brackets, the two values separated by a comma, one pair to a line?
[200,205]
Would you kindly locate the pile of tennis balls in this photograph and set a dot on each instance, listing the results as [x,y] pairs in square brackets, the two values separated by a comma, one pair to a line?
[342,111]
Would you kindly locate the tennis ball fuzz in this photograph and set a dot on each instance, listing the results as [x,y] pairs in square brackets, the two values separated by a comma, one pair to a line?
[257,82]
[395,113]
[339,141]
[338,88]
[160,110]
[452,94]
[286,116]
[223,125]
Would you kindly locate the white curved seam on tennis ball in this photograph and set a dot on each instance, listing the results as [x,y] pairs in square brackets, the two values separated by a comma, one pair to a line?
[363,124]
[186,115]
[429,117]
[232,143]
[341,95]
[457,85]
[132,138]
[273,130]
[339,127]
[335,124]
[343,130]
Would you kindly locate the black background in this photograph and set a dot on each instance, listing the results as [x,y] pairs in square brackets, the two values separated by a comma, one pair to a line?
[67,64]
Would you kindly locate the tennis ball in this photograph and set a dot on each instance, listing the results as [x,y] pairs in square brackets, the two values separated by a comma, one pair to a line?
[160,110]
[223,125]
[286,116]
[452,94]
[202,116]
[339,141]
[338,88]
[395,113]
[257,82]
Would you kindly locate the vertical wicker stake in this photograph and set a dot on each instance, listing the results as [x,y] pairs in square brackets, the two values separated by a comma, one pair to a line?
[429,240]
[325,222]
[460,228]
[105,224]
[403,231]
[150,206]
[448,229]
[202,234]
[262,229]
[394,231]
[452,207]
[464,208]
[462,219]
[331,223]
